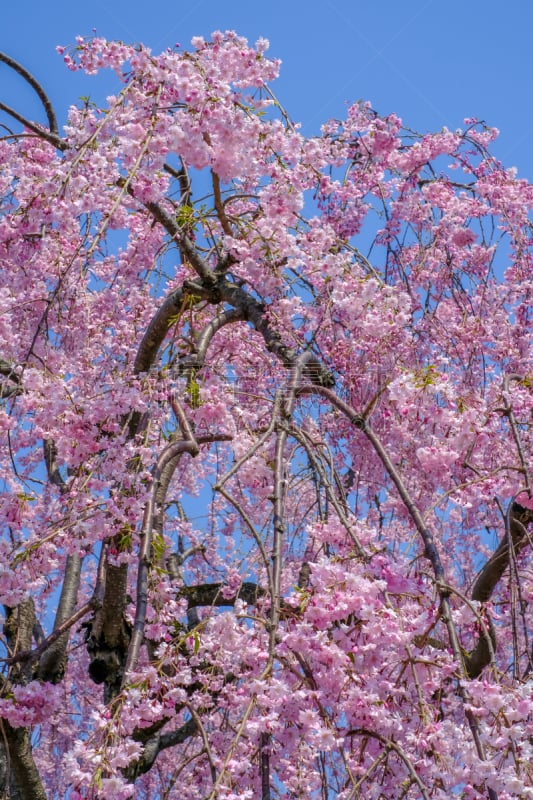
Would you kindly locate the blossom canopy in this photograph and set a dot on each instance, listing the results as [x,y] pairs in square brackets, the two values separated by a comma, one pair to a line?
[266,441]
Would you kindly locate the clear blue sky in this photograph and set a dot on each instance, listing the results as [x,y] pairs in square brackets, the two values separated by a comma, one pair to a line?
[433,62]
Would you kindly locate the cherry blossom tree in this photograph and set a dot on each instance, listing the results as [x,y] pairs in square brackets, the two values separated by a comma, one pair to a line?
[266,438]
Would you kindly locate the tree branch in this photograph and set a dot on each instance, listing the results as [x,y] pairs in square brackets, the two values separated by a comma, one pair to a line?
[493,570]
[7,370]
[211,594]
[157,330]
[36,86]
[516,538]
[52,138]
[389,744]
[215,288]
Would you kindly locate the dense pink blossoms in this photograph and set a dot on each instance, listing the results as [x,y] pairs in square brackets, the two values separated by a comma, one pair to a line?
[266,446]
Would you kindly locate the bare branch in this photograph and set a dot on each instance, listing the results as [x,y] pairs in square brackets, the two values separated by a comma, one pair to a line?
[219,205]
[157,330]
[211,594]
[493,570]
[36,86]
[52,138]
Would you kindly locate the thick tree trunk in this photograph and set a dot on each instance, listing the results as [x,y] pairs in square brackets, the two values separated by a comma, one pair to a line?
[19,777]
[108,634]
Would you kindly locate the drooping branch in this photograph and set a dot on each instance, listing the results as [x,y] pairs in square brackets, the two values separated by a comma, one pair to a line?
[298,369]
[278,500]
[361,423]
[251,527]
[302,438]
[509,413]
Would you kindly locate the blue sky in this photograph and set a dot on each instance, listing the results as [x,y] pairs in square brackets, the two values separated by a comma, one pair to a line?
[433,62]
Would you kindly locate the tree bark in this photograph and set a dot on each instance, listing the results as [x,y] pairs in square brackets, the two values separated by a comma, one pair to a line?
[108,634]
[19,777]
